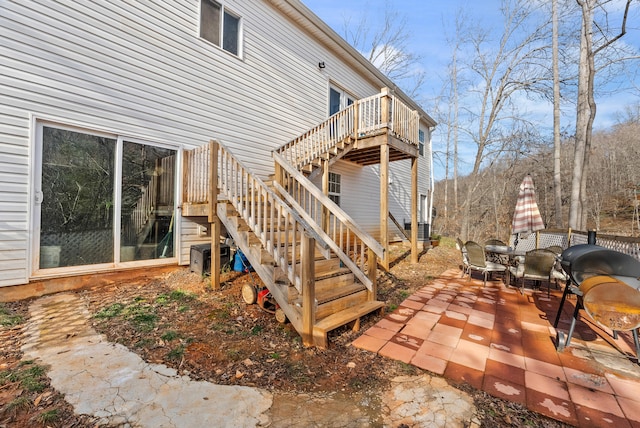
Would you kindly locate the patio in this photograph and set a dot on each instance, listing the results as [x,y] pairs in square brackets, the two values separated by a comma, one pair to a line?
[502,342]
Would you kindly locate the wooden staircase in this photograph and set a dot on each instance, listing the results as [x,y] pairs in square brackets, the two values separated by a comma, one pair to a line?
[318,264]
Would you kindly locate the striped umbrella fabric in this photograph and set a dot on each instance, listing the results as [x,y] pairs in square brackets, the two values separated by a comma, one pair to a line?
[526,217]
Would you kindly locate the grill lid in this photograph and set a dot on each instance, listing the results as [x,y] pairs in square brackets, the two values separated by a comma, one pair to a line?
[584,261]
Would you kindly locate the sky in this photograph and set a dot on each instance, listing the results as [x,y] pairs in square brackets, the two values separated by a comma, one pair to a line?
[430,22]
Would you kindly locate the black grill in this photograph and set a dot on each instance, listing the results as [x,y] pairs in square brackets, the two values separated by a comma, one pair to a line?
[584,261]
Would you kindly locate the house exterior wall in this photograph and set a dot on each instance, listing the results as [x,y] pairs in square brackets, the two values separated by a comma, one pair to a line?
[360,196]
[139,69]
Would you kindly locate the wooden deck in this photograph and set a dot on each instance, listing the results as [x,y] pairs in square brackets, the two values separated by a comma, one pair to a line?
[282,227]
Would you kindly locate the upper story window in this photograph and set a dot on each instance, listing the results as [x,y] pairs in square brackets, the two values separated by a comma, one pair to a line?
[219,26]
[339,100]
[421,141]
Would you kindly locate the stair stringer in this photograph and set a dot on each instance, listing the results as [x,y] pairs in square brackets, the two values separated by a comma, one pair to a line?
[269,273]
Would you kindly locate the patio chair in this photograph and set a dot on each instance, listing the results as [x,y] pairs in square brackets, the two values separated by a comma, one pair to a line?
[496,258]
[537,266]
[557,249]
[494,242]
[465,258]
[478,261]
[557,273]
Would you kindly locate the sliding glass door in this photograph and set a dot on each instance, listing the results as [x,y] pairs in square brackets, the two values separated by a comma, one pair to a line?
[101,200]
[147,208]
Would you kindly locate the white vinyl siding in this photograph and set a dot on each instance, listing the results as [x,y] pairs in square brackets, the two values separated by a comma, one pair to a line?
[140,69]
[360,191]
[14,191]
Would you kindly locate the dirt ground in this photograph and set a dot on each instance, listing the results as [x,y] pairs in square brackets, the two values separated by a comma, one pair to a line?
[178,320]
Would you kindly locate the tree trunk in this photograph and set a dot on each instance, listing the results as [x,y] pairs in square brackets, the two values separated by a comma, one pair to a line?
[583,113]
[557,177]
[586,111]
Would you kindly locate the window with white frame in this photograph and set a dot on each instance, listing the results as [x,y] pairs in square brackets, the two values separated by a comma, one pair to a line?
[334,187]
[94,189]
[339,99]
[421,141]
[219,26]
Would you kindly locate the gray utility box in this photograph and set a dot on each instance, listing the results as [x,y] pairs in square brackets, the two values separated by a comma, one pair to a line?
[200,258]
[423,230]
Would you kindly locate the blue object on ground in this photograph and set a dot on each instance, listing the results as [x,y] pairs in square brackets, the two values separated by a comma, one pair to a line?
[241,264]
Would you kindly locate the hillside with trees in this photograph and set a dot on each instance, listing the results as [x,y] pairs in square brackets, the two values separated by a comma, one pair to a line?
[613,186]
[520,96]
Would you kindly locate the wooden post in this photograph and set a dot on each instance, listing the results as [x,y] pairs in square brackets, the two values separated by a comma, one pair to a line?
[186,182]
[356,121]
[385,106]
[278,174]
[414,210]
[307,250]
[372,274]
[214,221]
[325,189]
[384,203]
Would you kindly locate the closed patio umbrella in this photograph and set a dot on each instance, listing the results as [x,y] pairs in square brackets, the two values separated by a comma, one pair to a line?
[526,217]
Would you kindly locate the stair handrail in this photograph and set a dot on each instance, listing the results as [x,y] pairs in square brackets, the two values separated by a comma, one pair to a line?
[260,207]
[343,235]
[158,191]
[320,139]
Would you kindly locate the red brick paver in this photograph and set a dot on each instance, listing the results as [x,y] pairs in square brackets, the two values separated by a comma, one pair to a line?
[503,342]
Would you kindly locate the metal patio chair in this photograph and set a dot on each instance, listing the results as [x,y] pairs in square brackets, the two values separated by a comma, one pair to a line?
[465,258]
[537,266]
[478,261]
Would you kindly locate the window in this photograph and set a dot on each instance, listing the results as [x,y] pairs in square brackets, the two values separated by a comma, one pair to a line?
[422,209]
[338,100]
[334,187]
[101,199]
[219,26]
[421,141]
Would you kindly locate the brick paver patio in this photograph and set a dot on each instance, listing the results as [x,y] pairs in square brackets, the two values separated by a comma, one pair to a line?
[503,342]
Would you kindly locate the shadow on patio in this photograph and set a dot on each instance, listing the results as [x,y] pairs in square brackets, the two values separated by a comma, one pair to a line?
[503,342]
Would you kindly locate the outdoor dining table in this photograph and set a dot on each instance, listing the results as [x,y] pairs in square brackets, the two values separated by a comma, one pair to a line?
[512,255]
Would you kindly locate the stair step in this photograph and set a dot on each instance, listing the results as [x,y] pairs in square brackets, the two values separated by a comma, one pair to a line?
[357,294]
[266,258]
[342,278]
[325,267]
[335,300]
[341,318]
[334,293]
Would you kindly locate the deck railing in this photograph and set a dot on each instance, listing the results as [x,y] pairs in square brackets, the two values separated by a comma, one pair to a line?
[320,139]
[279,228]
[196,175]
[566,238]
[158,192]
[367,116]
[356,249]
[405,122]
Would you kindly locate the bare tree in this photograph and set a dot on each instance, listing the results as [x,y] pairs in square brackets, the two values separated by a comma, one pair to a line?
[387,47]
[557,181]
[449,121]
[499,75]
[586,105]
